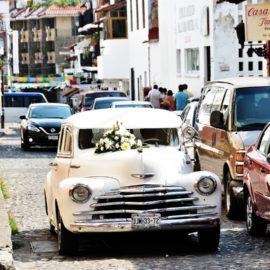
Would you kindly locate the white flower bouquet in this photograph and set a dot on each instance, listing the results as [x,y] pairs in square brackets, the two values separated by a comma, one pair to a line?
[117,139]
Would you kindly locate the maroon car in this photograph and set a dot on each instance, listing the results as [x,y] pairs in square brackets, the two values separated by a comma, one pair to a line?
[257,184]
[86,99]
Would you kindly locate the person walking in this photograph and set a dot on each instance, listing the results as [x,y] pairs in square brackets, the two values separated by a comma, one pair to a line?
[185,86]
[169,101]
[154,96]
[181,98]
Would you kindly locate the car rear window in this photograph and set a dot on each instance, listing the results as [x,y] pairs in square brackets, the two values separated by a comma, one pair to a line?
[89,98]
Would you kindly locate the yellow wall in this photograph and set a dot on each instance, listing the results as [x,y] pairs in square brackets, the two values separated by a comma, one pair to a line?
[64,26]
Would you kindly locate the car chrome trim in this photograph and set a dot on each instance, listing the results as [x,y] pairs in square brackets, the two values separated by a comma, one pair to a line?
[145,203]
[142,176]
[125,224]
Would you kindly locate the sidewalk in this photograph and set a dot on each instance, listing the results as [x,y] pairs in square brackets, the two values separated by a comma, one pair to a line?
[6,259]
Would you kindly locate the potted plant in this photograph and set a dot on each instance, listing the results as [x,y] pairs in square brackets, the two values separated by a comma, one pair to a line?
[94,38]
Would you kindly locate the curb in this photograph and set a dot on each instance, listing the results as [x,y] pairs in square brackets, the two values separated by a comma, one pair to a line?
[6,258]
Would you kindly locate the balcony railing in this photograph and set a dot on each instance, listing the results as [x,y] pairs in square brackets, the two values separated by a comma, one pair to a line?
[38,58]
[37,35]
[25,58]
[51,57]
[50,34]
[24,36]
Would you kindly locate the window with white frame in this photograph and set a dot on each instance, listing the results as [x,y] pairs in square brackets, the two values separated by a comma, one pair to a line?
[192,60]
[178,61]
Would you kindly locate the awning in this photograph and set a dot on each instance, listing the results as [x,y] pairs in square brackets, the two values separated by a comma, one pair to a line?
[88,27]
[30,85]
[70,91]
[108,7]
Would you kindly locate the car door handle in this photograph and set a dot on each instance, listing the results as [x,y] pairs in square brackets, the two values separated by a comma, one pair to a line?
[53,164]
[263,170]
[75,166]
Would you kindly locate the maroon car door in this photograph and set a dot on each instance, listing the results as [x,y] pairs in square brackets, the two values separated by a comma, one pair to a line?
[259,173]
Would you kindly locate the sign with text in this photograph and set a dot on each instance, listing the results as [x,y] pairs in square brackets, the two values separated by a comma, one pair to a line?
[258,22]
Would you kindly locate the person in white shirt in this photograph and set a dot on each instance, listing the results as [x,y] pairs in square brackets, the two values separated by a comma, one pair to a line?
[154,96]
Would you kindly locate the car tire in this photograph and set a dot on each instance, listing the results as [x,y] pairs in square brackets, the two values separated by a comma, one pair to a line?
[256,226]
[231,205]
[68,242]
[24,146]
[209,238]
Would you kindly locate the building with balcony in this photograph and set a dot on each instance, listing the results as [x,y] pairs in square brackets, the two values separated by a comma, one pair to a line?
[43,33]
[174,42]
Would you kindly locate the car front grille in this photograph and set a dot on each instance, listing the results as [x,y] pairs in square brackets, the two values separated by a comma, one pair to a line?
[50,130]
[172,202]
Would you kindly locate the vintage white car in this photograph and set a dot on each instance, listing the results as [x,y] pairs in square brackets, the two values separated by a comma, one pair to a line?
[123,171]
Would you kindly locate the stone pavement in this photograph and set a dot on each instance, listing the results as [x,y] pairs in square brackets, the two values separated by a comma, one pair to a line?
[6,258]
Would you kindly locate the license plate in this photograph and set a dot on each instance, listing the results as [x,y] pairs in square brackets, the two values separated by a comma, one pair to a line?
[53,137]
[145,220]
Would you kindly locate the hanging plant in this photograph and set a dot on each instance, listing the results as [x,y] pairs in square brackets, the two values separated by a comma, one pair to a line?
[87,53]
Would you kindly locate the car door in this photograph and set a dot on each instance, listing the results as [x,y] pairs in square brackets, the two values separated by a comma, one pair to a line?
[220,141]
[259,173]
[204,145]
[61,165]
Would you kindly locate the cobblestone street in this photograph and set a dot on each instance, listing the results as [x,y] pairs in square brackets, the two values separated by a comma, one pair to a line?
[35,248]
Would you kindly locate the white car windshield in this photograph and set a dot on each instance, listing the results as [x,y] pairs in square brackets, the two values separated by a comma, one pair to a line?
[152,136]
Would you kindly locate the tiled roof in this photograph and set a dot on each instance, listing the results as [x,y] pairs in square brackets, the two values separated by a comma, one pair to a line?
[58,11]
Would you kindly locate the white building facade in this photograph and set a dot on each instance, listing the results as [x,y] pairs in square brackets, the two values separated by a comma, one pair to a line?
[193,42]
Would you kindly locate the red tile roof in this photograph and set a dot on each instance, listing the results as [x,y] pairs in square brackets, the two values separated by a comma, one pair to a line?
[55,10]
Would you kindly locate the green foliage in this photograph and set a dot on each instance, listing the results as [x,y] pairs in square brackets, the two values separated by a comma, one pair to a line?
[95,36]
[61,3]
[3,189]
[13,225]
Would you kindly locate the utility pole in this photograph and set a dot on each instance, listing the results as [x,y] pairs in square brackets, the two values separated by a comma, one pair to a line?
[2,65]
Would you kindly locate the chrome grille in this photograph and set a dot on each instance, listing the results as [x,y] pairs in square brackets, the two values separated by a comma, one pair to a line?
[171,202]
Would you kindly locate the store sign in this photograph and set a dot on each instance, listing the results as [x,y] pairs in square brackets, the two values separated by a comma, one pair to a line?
[258,22]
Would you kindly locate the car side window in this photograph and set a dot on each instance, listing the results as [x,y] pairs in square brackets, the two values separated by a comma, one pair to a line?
[216,106]
[65,142]
[265,142]
[225,107]
[205,107]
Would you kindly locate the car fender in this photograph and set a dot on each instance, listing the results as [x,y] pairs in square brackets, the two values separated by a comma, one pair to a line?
[68,207]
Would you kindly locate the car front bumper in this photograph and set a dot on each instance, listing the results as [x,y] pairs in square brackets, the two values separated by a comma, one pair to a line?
[125,225]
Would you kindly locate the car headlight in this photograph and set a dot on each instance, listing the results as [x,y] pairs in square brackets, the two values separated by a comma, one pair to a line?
[33,128]
[80,193]
[206,185]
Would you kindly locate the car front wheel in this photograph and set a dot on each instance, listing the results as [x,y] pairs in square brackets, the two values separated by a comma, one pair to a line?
[231,205]
[68,242]
[256,226]
[209,238]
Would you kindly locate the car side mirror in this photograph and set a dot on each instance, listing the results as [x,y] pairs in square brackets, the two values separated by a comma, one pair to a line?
[22,117]
[216,119]
[189,133]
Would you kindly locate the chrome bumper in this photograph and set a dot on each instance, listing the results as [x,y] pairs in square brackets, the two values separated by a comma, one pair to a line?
[125,225]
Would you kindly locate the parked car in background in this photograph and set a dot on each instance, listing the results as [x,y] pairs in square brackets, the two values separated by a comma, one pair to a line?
[231,114]
[86,99]
[132,104]
[257,184]
[41,124]
[188,117]
[123,172]
[17,103]
[106,102]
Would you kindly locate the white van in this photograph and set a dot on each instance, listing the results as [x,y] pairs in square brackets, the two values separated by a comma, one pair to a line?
[17,103]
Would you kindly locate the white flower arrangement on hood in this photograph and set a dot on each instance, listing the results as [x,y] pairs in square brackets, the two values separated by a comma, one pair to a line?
[117,139]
